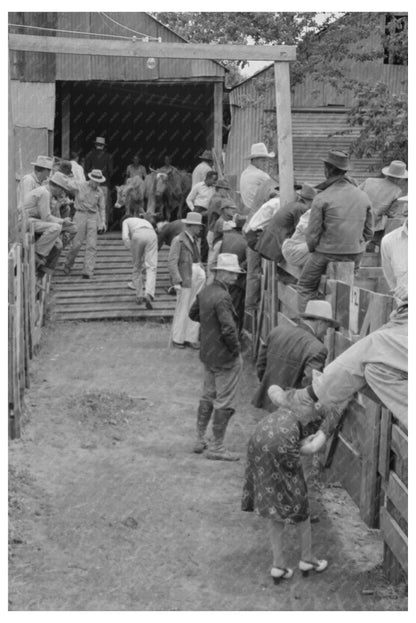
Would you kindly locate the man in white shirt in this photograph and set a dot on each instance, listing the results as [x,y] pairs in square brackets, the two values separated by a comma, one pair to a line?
[251,179]
[41,172]
[200,171]
[394,259]
[139,236]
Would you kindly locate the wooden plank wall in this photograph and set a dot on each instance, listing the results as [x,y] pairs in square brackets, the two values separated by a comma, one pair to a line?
[27,298]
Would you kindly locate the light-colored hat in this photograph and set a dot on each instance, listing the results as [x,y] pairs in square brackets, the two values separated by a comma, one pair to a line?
[61,180]
[206,155]
[227,203]
[100,140]
[192,218]
[405,198]
[45,162]
[307,192]
[338,159]
[320,310]
[396,168]
[96,175]
[259,150]
[228,262]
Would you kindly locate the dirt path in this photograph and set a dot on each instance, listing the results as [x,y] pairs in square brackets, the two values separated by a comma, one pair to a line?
[111,510]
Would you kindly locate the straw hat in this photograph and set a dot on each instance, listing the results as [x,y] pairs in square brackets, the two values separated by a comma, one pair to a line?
[45,162]
[228,262]
[227,203]
[100,140]
[338,159]
[307,192]
[259,150]
[206,155]
[396,168]
[192,218]
[61,180]
[405,198]
[320,310]
[96,175]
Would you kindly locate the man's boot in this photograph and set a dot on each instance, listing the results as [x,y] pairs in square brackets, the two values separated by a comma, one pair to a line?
[203,417]
[216,451]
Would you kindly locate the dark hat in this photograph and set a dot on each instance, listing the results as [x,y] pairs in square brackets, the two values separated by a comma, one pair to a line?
[65,167]
[307,192]
[338,159]
[206,155]
[222,183]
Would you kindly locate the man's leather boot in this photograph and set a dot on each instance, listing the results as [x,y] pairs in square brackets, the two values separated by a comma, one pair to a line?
[203,417]
[216,451]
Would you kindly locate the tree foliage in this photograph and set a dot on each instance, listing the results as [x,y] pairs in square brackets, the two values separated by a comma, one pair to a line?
[328,48]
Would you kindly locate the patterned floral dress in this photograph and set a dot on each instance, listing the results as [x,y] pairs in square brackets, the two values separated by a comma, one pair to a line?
[274,482]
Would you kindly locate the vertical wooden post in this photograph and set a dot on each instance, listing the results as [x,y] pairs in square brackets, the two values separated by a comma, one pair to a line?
[218,119]
[284,130]
[66,125]
[12,176]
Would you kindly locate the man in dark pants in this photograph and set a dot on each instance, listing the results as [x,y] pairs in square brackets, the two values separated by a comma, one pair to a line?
[339,225]
[100,158]
[220,353]
[292,352]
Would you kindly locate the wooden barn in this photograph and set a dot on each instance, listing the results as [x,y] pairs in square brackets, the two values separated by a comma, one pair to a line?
[157,107]
[319,115]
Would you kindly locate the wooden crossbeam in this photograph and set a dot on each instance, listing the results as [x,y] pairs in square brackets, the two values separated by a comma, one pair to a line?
[140,49]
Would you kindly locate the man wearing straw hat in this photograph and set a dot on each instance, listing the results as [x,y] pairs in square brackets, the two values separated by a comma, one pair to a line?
[383,193]
[340,224]
[187,278]
[100,158]
[221,355]
[89,219]
[200,171]
[42,168]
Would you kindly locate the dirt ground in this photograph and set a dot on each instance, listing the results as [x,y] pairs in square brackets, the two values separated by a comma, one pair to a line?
[111,510]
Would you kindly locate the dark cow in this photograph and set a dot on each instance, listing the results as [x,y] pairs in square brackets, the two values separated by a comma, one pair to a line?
[165,192]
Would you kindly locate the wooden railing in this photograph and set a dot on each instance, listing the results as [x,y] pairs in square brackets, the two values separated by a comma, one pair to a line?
[370,459]
[27,297]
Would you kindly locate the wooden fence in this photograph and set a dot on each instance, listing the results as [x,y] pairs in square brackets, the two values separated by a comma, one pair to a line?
[371,454]
[27,297]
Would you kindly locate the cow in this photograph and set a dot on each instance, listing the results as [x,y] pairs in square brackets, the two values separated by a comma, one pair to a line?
[165,192]
[130,199]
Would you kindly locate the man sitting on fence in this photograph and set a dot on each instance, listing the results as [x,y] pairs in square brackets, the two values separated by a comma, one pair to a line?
[339,225]
[37,207]
[378,362]
[41,172]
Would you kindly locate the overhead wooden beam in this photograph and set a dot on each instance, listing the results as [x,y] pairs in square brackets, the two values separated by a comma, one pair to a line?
[197,51]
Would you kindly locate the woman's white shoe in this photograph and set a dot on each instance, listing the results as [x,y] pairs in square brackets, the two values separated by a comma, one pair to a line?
[305,566]
[278,574]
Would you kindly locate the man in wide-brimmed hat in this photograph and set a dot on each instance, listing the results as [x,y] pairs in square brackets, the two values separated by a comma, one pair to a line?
[187,278]
[292,352]
[200,171]
[37,206]
[222,191]
[383,193]
[221,355]
[340,224]
[89,219]
[99,158]
[42,168]
[283,224]
[198,200]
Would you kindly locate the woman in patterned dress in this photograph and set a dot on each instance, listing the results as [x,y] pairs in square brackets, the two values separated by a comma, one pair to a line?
[275,486]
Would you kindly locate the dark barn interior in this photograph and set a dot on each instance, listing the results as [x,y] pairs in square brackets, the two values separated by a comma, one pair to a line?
[154,120]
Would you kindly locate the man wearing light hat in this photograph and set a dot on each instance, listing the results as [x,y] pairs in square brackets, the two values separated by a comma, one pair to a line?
[340,224]
[42,170]
[383,193]
[89,219]
[200,171]
[291,353]
[37,206]
[221,355]
[99,158]
[187,278]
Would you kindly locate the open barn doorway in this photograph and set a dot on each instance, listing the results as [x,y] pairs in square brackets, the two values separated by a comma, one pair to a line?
[154,120]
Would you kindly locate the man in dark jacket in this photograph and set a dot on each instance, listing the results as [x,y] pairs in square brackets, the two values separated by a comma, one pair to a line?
[283,224]
[339,225]
[100,158]
[292,352]
[221,356]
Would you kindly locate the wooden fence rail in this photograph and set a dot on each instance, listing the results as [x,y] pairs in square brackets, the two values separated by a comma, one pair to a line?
[27,297]
[371,454]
